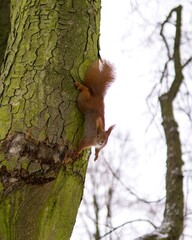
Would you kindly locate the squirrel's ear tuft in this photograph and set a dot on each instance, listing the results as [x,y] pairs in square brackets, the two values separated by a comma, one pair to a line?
[110,129]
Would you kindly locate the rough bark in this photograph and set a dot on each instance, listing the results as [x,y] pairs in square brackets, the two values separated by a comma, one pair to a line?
[50,44]
[4,26]
[172,224]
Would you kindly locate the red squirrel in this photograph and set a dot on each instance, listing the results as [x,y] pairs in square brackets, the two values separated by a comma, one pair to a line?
[98,78]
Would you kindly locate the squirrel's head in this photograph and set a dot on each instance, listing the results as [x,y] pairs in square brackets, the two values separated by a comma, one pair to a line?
[102,139]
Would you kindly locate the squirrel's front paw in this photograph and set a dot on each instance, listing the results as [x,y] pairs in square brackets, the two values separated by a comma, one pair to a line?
[77,84]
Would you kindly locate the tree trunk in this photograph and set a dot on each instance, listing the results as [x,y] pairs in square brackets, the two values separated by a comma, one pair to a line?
[172,225]
[50,45]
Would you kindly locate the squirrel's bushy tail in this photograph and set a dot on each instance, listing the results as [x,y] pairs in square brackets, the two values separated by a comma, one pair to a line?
[99,77]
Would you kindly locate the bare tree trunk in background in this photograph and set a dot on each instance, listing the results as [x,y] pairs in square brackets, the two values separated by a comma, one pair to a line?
[50,45]
[172,224]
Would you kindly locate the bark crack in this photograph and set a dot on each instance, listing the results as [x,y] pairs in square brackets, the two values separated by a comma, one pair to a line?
[30,161]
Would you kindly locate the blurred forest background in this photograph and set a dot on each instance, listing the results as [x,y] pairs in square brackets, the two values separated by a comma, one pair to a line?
[142,183]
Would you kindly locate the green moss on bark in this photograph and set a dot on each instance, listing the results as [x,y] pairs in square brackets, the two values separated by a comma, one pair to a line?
[50,45]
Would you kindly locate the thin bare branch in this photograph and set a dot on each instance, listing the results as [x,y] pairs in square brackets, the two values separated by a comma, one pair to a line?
[187,62]
[128,222]
[128,189]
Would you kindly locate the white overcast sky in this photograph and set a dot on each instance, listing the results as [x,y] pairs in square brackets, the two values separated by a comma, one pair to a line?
[127,40]
[130,39]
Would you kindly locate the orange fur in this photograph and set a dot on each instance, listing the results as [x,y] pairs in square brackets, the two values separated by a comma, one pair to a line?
[91,103]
